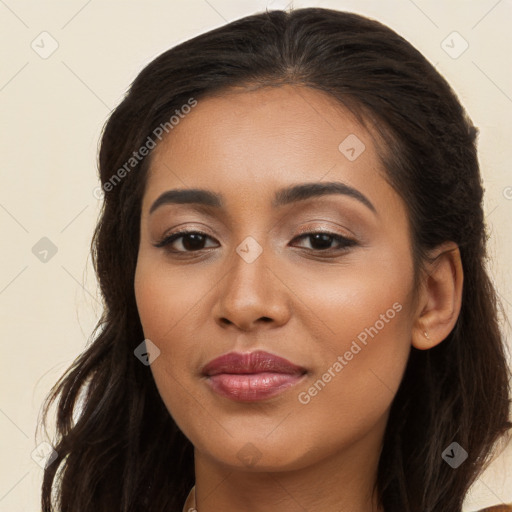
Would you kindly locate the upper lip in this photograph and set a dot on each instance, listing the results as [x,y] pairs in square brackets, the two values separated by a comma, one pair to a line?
[252,362]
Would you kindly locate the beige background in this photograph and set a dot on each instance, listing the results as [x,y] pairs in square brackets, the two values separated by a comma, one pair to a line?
[52,112]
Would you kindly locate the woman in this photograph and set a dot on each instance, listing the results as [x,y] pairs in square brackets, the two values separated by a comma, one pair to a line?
[292,257]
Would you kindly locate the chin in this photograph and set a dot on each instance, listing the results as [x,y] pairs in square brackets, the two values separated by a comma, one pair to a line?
[247,453]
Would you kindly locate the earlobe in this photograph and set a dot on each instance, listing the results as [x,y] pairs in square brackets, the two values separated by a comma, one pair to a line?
[441,297]
[422,340]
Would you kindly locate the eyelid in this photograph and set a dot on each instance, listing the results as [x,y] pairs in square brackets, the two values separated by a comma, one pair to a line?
[186,227]
[165,239]
[328,230]
[344,242]
[303,230]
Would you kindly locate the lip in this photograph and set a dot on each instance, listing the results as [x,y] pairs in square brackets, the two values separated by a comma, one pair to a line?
[251,376]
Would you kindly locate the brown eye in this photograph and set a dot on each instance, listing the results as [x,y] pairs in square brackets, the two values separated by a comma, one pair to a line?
[192,241]
[322,241]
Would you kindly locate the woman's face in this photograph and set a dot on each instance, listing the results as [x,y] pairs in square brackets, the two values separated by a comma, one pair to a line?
[259,279]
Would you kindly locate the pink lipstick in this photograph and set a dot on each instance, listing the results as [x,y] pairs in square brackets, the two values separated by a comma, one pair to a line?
[252,376]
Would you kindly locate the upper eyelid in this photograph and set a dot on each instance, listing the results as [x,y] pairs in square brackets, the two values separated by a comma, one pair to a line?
[337,220]
[329,230]
[305,231]
[308,232]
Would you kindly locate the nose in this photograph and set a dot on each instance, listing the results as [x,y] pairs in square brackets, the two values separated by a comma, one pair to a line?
[251,294]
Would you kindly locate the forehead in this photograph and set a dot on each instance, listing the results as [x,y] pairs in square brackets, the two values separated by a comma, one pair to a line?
[261,140]
[252,129]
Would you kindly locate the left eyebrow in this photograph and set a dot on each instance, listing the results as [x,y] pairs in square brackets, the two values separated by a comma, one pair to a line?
[307,190]
[282,197]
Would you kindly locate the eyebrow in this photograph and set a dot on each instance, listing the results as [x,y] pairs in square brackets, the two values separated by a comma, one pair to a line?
[282,197]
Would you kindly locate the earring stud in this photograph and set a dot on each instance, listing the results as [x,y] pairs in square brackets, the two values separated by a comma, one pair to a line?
[425,333]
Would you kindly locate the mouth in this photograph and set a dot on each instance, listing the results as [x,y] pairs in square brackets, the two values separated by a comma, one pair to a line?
[252,376]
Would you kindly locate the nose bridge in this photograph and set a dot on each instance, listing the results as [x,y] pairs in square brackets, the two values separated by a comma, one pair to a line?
[250,291]
[248,271]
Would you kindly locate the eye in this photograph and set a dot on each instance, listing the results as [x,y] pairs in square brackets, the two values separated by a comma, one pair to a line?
[192,241]
[321,241]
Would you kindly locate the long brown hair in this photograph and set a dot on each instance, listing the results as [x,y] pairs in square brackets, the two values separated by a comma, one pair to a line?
[125,451]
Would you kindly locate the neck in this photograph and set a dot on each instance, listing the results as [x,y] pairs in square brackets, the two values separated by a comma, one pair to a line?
[342,481]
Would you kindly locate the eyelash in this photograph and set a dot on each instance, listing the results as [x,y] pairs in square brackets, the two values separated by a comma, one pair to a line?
[344,243]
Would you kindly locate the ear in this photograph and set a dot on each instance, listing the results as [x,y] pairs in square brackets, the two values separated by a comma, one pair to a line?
[440,299]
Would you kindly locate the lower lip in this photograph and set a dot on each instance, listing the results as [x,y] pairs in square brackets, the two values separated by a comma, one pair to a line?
[252,387]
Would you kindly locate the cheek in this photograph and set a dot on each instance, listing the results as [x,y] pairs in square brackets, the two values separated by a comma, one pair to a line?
[166,298]
[170,303]
[361,376]
[363,341]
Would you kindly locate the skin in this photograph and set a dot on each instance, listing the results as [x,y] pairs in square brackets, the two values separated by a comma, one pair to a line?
[292,300]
